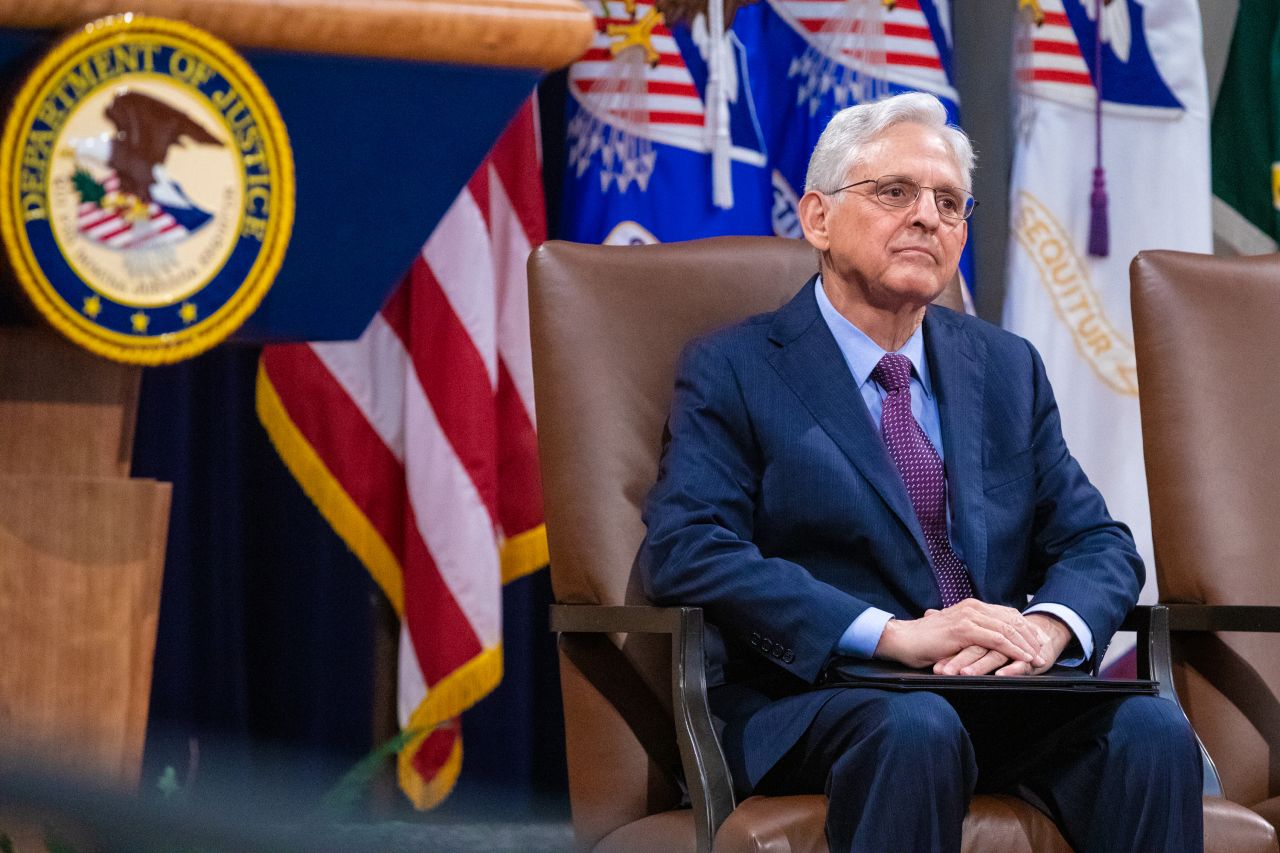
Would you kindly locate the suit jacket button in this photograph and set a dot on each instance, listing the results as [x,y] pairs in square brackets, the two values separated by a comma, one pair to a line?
[765,645]
[777,651]
[755,638]
[788,656]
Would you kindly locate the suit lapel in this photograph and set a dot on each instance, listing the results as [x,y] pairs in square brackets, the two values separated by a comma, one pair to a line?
[810,362]
[957,367]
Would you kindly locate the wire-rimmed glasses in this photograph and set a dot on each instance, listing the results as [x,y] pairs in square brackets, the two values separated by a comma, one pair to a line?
[899,191]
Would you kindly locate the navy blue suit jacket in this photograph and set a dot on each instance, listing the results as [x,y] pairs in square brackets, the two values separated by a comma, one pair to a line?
[779,511]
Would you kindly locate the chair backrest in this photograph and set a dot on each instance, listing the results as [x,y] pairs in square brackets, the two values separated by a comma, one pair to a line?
[608,324]
[1205,331]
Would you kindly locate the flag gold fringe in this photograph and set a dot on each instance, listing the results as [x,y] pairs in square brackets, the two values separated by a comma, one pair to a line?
[524,554]
[446,699]
[324,490]
[461,688]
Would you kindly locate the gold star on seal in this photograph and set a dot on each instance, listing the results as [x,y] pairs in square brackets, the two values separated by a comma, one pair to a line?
[140,321]
[92,305]
[188,312]
[639,34]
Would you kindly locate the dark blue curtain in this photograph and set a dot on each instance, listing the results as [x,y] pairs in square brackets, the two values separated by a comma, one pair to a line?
[264,648]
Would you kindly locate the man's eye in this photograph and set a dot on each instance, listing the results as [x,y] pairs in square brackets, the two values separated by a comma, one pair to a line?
[949,203]
[895,191]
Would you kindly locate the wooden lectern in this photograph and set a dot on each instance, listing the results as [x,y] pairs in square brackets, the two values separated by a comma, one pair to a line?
[81,560]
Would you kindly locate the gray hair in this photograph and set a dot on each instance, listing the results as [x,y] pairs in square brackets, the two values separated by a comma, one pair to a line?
[853,128]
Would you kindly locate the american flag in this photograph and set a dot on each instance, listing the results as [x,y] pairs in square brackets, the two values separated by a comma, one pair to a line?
[417,444]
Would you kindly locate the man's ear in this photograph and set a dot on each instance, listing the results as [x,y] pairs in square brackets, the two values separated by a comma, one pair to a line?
[813,219]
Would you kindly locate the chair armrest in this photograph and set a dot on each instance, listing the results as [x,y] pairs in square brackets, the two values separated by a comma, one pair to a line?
[706,774]
[1139,619]
[619,619]
[1155,661]
[1223,617]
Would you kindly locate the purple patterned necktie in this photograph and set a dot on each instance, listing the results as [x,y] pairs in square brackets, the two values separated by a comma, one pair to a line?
[921,470]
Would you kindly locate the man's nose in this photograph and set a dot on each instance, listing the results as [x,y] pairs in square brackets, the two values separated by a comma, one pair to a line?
[924,211]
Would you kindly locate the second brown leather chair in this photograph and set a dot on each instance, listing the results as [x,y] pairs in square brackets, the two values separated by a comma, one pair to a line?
[1205,331]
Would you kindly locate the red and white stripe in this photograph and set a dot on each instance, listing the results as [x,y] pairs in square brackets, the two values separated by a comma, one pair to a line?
[111,228]
[910,55]
[1056,68]
[426,422]
[669,110]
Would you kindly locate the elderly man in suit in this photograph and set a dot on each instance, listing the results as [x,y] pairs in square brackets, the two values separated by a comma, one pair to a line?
[864,473]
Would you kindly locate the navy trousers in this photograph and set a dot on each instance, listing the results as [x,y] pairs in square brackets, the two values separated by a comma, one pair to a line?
[898,768]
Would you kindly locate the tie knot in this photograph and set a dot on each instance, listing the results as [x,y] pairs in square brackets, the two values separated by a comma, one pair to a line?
[893,373]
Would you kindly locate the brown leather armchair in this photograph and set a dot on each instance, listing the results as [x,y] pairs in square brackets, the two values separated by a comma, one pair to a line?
[1207,335]
[645,770]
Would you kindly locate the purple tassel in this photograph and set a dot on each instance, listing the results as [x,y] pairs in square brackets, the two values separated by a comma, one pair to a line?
[1099,233]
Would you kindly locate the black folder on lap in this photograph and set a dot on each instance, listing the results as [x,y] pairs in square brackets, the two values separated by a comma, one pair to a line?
[858,672]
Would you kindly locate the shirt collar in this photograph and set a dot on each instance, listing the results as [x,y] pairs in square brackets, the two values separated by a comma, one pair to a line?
[863,354]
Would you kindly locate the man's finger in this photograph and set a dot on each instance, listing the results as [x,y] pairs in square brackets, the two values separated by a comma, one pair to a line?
[956,662]
[1026,635]
[1023,625]
[1033,634]
[985,664]
[1016,668]
[1012,639]
[995,639]
[1011,616]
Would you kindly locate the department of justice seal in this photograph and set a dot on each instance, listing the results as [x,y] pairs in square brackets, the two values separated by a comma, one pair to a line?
[150,196]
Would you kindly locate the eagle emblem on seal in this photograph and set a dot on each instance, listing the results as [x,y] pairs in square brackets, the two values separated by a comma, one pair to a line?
[134,201]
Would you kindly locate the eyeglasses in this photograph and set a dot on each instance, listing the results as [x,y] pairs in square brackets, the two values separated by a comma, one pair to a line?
[897,191]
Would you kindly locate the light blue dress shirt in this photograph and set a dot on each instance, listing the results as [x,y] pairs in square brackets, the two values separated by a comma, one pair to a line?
[862,354]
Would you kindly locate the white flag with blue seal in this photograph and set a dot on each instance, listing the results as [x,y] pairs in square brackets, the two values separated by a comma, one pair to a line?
[1096,179]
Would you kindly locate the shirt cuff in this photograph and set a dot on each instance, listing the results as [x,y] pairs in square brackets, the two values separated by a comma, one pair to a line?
[862,637]
[1073,621]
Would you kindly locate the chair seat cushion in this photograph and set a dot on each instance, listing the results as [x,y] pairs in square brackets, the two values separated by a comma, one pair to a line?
[775,825]
[795,825]
[1231,828]
[1007,824]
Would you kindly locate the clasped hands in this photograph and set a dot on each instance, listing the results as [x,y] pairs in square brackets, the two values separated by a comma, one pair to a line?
[972,637]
